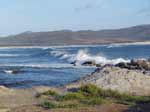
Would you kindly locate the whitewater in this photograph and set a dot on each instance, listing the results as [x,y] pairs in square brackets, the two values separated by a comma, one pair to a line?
[24,67]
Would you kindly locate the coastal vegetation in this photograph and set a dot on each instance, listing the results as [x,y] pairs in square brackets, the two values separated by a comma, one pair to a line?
[88,95]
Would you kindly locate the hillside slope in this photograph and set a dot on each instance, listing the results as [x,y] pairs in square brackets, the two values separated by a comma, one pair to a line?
[67,37]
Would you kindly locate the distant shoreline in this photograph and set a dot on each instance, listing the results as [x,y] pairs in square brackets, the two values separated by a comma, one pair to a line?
[83,45]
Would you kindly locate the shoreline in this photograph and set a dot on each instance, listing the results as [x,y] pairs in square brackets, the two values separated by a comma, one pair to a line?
[130,74]
[106,78]
[82,45]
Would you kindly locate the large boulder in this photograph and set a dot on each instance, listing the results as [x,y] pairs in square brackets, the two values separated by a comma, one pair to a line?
[89,63]
[134,82]
[86,63]
[145,64]
[140,64]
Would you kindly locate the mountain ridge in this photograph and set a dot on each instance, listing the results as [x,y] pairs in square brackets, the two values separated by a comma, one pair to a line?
[69,37]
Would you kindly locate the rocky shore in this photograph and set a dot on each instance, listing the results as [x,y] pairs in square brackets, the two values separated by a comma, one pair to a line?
[132,77]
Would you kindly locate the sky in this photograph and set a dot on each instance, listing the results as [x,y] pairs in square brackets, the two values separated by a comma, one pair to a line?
[18,16]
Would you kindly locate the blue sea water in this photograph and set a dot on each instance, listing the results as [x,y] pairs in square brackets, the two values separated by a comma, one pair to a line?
[50,66]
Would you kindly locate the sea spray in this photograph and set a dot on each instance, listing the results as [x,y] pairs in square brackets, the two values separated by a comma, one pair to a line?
[83,56]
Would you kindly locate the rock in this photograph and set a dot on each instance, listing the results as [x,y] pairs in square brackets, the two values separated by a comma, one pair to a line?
[139,64]
[15,71]
[89,63]
[73,63]
[134,82]
[122,65]
[98,65]
[143,64]
[148,59]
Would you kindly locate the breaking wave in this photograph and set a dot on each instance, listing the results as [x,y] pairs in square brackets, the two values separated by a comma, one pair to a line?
[10,55]
[83,56]
[54,66]
[8,71]
[36,65]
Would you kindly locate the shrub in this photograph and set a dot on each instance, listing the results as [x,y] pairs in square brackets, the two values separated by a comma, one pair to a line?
[94,91]
[48,93]
[109,93]
[90,95]
[90,90]
[71,96]
[135,99]
[49,105]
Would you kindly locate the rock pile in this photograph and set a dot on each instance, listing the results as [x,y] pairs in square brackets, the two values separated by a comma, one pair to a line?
[140,64]
[123,80]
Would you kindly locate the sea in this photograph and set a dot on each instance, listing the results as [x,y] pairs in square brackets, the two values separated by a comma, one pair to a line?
[26,67]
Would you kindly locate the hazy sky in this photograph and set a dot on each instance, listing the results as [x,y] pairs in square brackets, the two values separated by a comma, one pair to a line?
[44,15]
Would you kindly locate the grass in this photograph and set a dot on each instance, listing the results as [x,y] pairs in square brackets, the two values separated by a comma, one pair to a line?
[52,105]
[71,96]
[48,93]
[90,95]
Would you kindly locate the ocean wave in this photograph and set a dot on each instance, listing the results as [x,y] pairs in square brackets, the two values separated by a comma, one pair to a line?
[57,53]
[11,55]
[8,71]
[50,47]
[127,44]
[83,56]
[70,46]
[40,66]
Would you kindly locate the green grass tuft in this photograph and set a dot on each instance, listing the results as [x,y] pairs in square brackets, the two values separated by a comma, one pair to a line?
[71,96]
[90,95]
[49,105]
[48,93]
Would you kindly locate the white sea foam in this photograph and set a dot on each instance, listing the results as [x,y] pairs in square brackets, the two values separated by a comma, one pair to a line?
[83,56]
[57,53]
[127,44]
[9,55]
[39,66]
[8,71]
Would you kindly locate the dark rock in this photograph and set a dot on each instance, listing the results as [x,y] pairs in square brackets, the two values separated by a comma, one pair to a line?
[122,65]
[15,71]
[144,64]
[135,64]
[148,59]
[98,65]
[89,63]
[73,63]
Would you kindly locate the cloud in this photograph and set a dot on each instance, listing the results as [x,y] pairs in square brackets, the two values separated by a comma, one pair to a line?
[90,4]
[145,10]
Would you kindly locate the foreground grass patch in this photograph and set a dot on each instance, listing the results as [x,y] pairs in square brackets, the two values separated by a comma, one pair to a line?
[89,95]
[51,105]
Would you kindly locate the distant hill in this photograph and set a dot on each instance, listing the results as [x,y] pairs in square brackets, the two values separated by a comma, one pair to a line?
[67,37]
